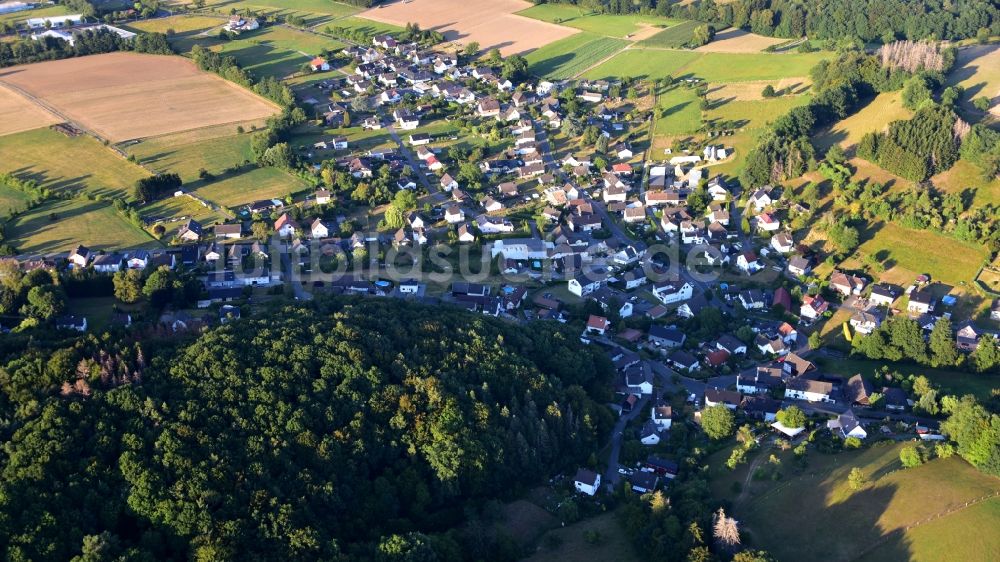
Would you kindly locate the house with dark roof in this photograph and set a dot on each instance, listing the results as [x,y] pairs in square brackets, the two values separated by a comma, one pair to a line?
[683,361]
[894,398]
[762,380]
[643,482]
[587,481]
[728,398]
[760,407]
[666,336]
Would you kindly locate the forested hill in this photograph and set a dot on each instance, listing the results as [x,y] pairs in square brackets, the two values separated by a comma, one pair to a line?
[349,430]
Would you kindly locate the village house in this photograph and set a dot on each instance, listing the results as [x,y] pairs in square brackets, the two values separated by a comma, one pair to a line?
[921,302]
[760,199]
[683,361]
[795,366]
[228,231]
[847,285]
[285,226]
[649,434]
[638,379]
[748,263]
[319,64]
[493,225]
[751,299]
[883,295]
[799,266]
[454,214]
[491,205]
[190,232]
[318,229]
[634,214]
[728,398]
[761,407]
[800,388]
[782,243]
[138,260]
[865,322]
[847,425]
[465,234]
[767,223]
[813,307]
[587,481]
[763,380]
[597,325]
[107,263]
[522,248]
[731,344]
[79,257]
[858,391]
[488,107]
[585,283]
[665,336]
[670,292]
[966,337]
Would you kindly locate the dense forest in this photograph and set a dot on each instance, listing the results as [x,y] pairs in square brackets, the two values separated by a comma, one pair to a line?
[348,430]
[867,20]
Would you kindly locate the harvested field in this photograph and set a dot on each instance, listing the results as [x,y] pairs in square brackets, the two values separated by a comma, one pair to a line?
[491,23]
[18,114]
[752,91]
[19,17]
[126,95]
[733,40]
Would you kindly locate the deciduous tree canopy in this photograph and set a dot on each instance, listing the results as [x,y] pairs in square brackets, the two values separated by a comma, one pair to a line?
[348,431]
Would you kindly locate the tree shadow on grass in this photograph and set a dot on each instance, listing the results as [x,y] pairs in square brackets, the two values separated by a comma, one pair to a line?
[845,531]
